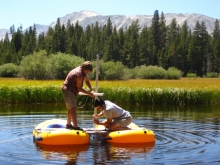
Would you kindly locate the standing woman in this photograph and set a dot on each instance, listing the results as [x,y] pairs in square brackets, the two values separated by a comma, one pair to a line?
[71,87]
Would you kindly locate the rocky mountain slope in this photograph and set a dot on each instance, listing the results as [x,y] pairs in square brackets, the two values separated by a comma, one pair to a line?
[122,21]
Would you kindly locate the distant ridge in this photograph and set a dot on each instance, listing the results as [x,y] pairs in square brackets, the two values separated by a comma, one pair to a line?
[122,21]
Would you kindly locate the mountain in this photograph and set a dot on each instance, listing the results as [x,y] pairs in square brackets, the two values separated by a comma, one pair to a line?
[122,21]
[3,32]
[39,28]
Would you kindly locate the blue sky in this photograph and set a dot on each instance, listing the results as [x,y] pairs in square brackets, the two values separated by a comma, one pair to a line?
[28,12]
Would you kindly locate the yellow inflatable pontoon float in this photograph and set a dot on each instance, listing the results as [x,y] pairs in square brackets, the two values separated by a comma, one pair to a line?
[135,135]
[54,132]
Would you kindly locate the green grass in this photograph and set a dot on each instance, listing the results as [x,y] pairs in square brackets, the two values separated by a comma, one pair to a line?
[177,92]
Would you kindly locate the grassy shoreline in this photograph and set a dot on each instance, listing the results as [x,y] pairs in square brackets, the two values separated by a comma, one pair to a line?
[178,92]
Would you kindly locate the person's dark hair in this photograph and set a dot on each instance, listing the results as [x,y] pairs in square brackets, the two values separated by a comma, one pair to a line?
[87,65]
[99,102]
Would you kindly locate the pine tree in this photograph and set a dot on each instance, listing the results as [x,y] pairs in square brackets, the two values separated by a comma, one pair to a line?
[78,33]
[144,44]
[173,42]
[204,49]
[109,27]
[162,61]
[84,43]
[184,46]
[12,30]
[107,41]
[16,45]
[29,42]
[155,37]
[49,41]
[41,45]
[93,47]
[116,52]
[121,40]
[69,37]
[56,43]
[199,48]
[63,40]
[163,31]
[155,27]
[195,50]
[215,64]
[131,47]
[33,39]
[5,55]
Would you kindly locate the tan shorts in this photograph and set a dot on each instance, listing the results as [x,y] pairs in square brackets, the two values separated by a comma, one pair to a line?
[123,122]
[70,99]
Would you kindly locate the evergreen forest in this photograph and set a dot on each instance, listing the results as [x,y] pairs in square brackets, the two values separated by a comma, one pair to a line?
[190,51]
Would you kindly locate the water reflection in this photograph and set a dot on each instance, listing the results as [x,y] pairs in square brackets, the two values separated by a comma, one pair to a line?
[26,109]
[111,153]
[120,153]
[187,135]
[70,154]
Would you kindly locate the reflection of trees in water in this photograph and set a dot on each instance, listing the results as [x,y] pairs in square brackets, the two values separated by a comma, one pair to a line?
[33,109]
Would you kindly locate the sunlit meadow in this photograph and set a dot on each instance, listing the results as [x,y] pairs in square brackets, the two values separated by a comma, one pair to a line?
[179,92]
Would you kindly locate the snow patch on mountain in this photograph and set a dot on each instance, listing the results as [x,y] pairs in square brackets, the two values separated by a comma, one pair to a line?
[122,21]
[41,28]
[86,17]
[73,17]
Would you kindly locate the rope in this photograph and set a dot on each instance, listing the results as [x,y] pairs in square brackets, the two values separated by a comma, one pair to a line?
[14,139]
[84,103]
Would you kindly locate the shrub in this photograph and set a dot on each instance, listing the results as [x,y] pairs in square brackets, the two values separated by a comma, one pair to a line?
[111,70]
[36,66]
[173,73]
[105,68]
[129,73]
[150,72]
[63,63]
[191,75]
[8,70]
[211,75]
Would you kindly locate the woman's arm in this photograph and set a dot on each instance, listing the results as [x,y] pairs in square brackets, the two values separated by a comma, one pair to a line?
[79,82]
[87,81]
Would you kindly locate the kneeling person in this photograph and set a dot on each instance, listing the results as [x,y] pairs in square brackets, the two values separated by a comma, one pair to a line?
[117,118]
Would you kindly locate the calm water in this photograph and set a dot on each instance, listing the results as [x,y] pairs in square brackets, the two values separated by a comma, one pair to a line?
[188,135]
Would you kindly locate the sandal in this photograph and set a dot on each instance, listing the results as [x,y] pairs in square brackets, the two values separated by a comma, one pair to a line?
[77,128]
[69,126]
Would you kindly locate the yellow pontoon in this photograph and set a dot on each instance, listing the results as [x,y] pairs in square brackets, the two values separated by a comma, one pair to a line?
[53,132]
[135,135]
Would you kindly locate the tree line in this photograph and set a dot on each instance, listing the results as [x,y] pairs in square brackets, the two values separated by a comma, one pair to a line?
[191,51]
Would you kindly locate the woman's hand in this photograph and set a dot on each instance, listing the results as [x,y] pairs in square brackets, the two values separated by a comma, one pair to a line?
[96,121]
[91,94]
[94,116]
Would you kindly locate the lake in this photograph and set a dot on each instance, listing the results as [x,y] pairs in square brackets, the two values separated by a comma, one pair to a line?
[184,135]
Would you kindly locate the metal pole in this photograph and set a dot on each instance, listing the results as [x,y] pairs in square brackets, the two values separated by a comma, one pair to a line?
[97,79]
[97,72]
